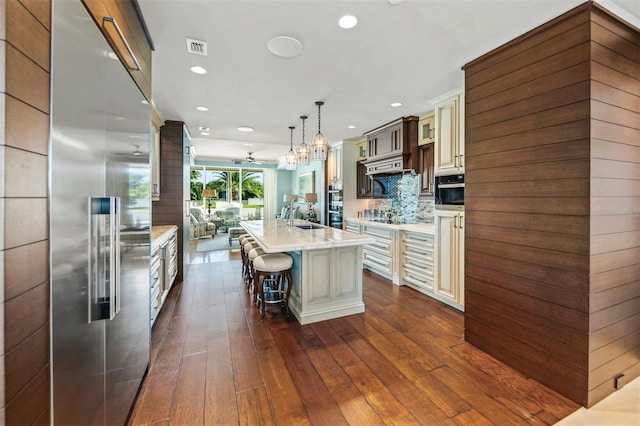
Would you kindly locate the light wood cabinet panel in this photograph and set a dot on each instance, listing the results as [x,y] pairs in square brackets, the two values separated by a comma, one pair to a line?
[449,255]
[426,129]
[449,133]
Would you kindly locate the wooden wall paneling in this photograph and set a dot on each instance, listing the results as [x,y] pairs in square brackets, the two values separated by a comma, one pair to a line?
[24,266]
[529,106]
[26,127]
[556,290]
[561,73]
[603,281]
[550,185]
[563,114]
[549,31]
[169,209]
[28,407]
[41,10]
[527,358]
[543,136]
[571,225]
[25,173]
[572,53]
[539,46]
[25,80]
[27,34]
[26,361]
[561,151]
[24,314]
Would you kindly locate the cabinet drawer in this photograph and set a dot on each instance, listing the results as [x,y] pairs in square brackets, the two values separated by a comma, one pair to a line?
[352,228]
[418,282]
[377,262]
[378,233]
[418,252]
[417,268]
[418,239]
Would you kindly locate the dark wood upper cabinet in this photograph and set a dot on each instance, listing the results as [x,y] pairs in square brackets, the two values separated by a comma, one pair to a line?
[363,181]
[390,146]
[425,169]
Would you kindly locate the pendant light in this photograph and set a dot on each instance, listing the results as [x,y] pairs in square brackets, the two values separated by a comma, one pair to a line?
[319,144]
[291,158]
[304,151]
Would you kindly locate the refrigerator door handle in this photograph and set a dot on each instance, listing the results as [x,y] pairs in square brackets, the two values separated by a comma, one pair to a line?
[103,287]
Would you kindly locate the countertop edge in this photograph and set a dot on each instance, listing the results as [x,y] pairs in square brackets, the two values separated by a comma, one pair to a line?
[424,228]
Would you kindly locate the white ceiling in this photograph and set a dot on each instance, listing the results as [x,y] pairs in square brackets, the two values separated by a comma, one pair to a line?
[409,52]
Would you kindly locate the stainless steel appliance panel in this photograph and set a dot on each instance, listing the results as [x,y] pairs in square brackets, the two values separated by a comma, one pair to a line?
[99,151]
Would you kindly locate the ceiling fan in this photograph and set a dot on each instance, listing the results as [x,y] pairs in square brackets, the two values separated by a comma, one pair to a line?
[248,159]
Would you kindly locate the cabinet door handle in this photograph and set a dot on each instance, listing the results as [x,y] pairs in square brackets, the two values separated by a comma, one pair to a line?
[461,165]
[455,161]
[455,221]
[133,64]
[461,222]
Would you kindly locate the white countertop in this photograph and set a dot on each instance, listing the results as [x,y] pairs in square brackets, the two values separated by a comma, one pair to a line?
[425,228]
[275,236]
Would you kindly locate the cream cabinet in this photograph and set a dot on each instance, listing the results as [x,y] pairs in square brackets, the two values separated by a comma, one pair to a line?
[416,261]
[449,258]
[381,256]
[427,129]
[449,133]
[163,266]
[334,163]
[352,226]
[156,123]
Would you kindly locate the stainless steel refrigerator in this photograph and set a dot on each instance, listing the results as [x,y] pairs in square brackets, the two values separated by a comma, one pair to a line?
[100,226]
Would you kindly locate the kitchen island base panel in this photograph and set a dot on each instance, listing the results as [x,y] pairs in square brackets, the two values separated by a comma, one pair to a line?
[327,284]
[310,318]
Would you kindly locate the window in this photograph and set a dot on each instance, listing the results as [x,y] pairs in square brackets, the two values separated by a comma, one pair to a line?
[215,189]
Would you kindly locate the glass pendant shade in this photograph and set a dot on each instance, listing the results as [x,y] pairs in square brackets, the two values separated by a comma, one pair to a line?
[319,144]
[304,151]
[291,157]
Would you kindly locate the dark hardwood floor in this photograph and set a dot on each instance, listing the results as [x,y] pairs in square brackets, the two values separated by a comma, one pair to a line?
[404,361]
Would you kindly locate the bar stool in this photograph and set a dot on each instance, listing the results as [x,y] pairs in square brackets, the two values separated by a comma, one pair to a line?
[251,256]
[246,248]
[273,280]
[245,238]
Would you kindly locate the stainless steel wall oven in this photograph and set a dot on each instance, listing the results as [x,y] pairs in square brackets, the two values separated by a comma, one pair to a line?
[449,192]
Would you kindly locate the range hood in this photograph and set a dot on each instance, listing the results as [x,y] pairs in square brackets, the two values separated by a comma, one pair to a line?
[390,147]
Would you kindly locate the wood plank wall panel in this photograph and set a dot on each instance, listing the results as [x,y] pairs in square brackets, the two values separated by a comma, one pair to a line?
[544,291]
[169,209]
[24,247]
[615,190]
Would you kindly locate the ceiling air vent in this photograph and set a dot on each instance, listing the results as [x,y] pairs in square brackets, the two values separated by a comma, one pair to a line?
[197,47]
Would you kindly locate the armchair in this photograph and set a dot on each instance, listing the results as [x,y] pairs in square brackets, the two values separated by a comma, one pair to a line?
[201,228]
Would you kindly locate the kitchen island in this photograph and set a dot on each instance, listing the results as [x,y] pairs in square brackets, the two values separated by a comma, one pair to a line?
[327,266]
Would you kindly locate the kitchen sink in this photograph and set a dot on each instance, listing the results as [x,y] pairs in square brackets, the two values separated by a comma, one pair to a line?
[308,226]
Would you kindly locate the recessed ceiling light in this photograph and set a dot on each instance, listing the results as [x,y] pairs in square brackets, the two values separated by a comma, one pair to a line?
[202,108]
[205,133]
[396,104]
[247,144]
[351,126]
[144,101]
[198,69]
[203,128]
[113,56]
[394,1]
[285,46]
[245,129]
[348,21]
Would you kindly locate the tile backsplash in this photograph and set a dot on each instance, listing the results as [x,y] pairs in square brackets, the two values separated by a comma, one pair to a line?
[425,208]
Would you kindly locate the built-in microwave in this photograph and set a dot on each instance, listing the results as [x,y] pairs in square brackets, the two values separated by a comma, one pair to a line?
[449,192]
